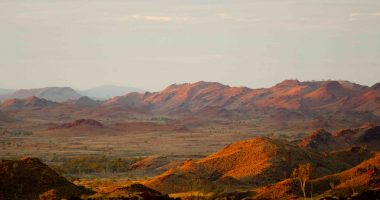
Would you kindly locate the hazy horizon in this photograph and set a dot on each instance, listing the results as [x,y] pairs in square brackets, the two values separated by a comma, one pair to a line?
[110,85]
[85,44]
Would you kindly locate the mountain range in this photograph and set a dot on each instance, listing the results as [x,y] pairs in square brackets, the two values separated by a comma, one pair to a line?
[57,94]
[290,95]
[300,98]
[62,94]
[6,91]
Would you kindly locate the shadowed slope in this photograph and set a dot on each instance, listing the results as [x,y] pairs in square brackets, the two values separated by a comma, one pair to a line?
[368,135]
[29,177]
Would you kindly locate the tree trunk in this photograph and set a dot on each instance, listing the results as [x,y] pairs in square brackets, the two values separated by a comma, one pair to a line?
[304,194]
[311,190]
[303,190]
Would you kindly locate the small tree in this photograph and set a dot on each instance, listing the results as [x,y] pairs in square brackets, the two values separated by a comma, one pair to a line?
[302,174]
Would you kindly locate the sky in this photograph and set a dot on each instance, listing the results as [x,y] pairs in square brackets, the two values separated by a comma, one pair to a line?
[150,44]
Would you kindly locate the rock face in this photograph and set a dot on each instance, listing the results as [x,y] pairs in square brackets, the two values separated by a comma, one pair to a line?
[29,178]
[56,94]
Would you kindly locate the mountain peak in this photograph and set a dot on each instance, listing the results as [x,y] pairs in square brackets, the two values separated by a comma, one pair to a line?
[200,84]
[31,101]
[288,83]
[86,101]
[331,85]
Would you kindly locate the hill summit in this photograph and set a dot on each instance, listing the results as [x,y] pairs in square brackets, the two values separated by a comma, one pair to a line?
[256,162]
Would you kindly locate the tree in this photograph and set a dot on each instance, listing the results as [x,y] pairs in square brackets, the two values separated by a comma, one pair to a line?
[302,173]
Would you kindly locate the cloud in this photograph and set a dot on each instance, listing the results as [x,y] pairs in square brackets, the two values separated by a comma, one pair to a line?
[356,14]
[223,15]
[228,16]
[147,18]
[153,18]
[158,18]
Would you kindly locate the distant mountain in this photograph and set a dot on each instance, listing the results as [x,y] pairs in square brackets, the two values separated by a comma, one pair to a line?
[108,91]
[83,101]
[26,103]
[6,91]
[57,94]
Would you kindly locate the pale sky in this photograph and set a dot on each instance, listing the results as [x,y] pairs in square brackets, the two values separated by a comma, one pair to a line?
[153,43]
